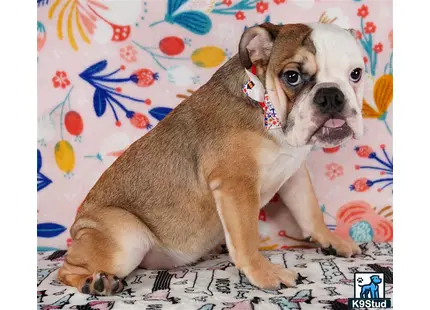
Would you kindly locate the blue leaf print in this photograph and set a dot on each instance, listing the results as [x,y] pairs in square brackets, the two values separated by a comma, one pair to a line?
[49,230]
[173,5]
[42,2]
[194,21]
[159,113]
[96,68]
[42,181]
[100,101]
[39,161]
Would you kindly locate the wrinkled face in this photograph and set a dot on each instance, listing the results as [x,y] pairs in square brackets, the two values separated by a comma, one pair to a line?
[313,75]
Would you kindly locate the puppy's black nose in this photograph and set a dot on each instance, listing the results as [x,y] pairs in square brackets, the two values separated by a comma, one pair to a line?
[330,100]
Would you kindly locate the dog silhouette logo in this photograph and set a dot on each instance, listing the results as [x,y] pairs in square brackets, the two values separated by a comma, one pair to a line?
[369,285]
[369,291]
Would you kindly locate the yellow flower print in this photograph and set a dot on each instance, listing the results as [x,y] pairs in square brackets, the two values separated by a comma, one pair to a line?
[94,19]
[383,96]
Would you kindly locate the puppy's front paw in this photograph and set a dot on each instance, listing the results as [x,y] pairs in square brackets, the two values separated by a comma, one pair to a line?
[266,275]
[332,244]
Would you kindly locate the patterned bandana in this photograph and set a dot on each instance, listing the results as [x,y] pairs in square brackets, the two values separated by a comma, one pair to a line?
[254,89]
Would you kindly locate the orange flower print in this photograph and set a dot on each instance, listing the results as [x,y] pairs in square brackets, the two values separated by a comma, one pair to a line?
[370,27]
[94,20]
[240,15]
[383,96]
[262,7]
[365,59]
[333,171]
[361,222]
[279,1]
[60,80]
[378,48]
[227,2]
[363,11]
[128,53]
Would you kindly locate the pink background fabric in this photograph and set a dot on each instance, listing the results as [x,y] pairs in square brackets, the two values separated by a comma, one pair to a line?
[158,64]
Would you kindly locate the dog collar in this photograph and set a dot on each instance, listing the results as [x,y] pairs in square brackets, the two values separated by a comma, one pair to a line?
[255,90]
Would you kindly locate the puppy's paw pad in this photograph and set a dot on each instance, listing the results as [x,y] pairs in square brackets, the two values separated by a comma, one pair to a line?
[101,284]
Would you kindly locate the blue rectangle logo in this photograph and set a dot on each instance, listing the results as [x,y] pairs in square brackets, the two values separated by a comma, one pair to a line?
[369,291]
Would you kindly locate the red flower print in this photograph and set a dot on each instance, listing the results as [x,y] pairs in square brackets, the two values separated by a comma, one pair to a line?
[363,11]
[370,27]
[279,1]
[350,215]
[358,35]
[227,2]
[333,171]
[360,185]
[239,15]
[262,6]
[140,121]
[128,53]
[60,79]
[390,37]
[330,150]
[144,77]
[262,216]
[365,59]
[378,48]
[363,151]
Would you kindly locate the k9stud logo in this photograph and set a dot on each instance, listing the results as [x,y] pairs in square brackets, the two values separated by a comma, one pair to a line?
[369,291]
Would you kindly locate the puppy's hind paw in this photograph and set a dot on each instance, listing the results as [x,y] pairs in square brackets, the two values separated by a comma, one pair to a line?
[101,284]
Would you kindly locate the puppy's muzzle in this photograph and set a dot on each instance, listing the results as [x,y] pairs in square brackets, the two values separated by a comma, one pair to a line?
[329,100]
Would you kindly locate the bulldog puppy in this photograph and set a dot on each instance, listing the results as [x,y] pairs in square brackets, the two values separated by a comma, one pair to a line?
[204,172]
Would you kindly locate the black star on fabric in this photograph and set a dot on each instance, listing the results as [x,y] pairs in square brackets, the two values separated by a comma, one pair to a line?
[300,279]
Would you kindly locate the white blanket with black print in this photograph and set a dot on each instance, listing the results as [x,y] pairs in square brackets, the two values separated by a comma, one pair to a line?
[324,282]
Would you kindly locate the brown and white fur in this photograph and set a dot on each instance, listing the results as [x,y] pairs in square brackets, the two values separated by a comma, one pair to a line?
[203,173]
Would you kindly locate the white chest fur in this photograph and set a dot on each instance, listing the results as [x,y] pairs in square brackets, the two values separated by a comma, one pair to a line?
[277,165]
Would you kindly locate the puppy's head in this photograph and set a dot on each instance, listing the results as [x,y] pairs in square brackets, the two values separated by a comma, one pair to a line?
[313,75]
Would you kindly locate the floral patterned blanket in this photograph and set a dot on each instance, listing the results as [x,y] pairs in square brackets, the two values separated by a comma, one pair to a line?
[324,282]
[109,71]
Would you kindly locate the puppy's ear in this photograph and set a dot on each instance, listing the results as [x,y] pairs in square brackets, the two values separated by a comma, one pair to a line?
[256,44]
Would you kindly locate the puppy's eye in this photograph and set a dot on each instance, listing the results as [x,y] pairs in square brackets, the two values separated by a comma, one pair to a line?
[293,78]
[355,75]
